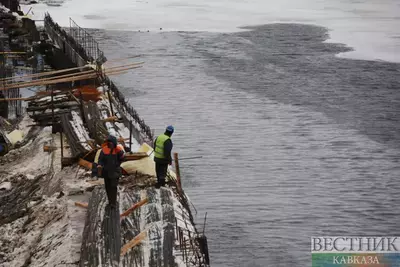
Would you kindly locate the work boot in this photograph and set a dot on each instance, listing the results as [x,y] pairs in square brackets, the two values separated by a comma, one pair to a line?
[162,183]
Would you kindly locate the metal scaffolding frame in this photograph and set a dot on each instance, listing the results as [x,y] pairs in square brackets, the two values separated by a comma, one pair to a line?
[86,41]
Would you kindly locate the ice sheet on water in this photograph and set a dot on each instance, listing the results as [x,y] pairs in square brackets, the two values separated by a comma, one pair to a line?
[368,26]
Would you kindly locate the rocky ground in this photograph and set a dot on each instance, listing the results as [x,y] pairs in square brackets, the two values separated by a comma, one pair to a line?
[39,222]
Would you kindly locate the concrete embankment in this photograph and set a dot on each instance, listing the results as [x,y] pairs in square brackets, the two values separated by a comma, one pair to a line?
[52,212]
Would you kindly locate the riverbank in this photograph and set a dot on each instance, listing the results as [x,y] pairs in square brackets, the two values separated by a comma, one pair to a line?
[50,198]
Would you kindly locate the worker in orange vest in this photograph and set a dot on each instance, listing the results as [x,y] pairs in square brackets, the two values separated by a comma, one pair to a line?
[109,168]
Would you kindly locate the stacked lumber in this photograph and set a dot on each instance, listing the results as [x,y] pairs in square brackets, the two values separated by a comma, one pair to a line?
[65,75]
[94,123]
[62,105]
[84,75]
[40,108]
[87,93]
[76,135]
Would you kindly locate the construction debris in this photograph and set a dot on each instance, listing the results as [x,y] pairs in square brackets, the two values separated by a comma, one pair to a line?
[82,205]
[15,136]
[42,182]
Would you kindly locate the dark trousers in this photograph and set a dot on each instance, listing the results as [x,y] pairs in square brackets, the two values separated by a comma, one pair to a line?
[111,184]
[161,171]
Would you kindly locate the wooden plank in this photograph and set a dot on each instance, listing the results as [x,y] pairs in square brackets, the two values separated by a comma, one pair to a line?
[96,182]
[135,156]
[134,207]
[134,242]
[120,59]
[57,77]
[66,161]
[126,66]
[63,105]
[109,119]
[84,163]
[121,70]
[49,148]
[42,73]
[81,204]
[11,52]
[16,98]
[177,172]
[55,81]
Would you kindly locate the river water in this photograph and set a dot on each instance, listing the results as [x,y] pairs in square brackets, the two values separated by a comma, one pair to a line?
[296,142]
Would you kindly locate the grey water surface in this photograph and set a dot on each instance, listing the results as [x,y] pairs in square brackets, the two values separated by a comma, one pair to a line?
[295,141]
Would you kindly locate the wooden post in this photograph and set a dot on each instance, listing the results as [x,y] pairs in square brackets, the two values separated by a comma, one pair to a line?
[82,110]
[52,106]
[181,243]
[109,98]
[20,105]
[184,251]
[176,229]
[178,173]
[204,226]
[130,136]
[62,146]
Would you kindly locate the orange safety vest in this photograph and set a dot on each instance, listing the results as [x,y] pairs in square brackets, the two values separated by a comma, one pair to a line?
[107,150]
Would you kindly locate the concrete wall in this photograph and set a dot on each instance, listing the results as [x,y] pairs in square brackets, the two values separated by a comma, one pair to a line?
[65,47]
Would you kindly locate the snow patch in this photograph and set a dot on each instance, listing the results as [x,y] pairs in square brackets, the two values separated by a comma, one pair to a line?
[5,186]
